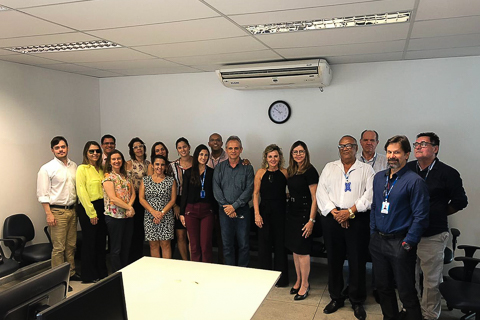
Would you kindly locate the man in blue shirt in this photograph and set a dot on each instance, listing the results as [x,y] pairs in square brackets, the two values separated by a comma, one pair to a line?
[233,189]
[398,219]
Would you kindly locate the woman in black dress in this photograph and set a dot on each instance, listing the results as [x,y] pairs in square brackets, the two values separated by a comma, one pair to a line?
[270,184]
[301,213]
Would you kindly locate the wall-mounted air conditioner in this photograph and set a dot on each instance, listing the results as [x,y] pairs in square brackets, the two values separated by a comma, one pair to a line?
[291,74]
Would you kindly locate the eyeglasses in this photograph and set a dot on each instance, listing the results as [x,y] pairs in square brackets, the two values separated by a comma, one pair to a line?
[347,146]
[422,144]
[138,147]
[295,152]
[92,151]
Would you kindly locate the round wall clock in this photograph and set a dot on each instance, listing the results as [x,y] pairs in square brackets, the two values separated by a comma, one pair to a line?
[279,112]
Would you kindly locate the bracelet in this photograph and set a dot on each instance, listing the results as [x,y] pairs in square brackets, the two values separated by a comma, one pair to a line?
[313,220]
[352,215]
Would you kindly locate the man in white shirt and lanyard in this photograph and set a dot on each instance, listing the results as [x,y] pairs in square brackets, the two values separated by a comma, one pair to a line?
[369,142]
[344,197]
[56,193]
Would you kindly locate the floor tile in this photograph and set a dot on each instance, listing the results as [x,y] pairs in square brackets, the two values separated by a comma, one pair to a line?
[277,310]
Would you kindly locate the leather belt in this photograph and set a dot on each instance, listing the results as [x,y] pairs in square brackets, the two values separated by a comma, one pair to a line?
[56,206]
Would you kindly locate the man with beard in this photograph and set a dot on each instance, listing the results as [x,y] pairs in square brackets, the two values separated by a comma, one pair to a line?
[398,219]
[447,196]
[56,193]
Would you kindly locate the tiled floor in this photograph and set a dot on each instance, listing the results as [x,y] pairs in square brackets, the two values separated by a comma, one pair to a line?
[279,304]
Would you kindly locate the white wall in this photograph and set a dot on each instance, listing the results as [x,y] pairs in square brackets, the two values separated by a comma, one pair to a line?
[35,105]
[404,97]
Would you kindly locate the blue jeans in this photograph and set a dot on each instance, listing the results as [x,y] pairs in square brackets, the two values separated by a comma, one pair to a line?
[236,228]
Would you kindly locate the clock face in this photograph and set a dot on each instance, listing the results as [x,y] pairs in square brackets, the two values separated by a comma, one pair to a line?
[279,112]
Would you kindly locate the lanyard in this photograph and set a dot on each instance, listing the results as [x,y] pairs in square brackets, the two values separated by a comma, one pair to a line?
[203,178]
[386,191]
[429,168]
[374,159]
[347,175]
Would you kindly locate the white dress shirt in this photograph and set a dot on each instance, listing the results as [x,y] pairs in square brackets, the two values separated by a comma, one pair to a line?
[56,183]
[331,192]
[378,162]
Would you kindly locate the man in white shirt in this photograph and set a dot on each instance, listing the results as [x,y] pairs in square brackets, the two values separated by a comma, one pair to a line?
[56,193]
[344,197]
[369,141]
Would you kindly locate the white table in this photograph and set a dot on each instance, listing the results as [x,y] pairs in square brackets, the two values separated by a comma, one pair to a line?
[172,289]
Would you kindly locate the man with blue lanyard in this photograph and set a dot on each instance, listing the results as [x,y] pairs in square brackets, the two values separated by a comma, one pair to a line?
[344,196]
[369,142]
[398,218]
[447,196]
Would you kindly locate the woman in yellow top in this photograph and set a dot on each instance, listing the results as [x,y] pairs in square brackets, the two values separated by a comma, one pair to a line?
[90,213]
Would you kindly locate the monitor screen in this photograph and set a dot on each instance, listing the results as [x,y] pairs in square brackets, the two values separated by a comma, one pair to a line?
[24,300]
[103,300]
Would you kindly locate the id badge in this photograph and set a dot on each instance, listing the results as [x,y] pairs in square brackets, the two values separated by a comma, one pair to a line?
[385,206]
[202,194]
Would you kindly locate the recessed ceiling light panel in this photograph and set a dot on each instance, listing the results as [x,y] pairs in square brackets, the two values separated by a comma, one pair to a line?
[70,46]
[2,8]
[371,19]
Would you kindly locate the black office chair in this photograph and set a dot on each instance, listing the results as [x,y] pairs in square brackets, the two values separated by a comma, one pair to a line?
[19,228]
[463,294]
[458,273]
[7,265]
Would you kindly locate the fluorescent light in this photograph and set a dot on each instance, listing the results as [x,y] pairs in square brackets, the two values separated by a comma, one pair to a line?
[70,46]
[371,19]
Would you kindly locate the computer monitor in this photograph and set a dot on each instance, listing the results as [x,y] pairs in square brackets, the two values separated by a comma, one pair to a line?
[24,300]
[103,300]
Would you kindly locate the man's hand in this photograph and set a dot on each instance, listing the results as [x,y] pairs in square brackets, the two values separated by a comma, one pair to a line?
[345,224]
[228,209]
[51,220]
[246,162]
[342,216]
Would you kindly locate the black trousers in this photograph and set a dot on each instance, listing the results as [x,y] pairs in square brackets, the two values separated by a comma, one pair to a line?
[120,232]
[138,237]
[351,243]
[94,239]
[392,262]
[271,239]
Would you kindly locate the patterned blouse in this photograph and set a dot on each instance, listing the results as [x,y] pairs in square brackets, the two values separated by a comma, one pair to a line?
[139,170]
[178,172]
[123,189]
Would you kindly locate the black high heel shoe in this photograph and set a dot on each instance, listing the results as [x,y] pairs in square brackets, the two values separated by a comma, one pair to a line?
[294,291]
[303,296]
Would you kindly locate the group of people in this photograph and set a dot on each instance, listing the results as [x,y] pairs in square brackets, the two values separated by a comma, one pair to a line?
[367,204]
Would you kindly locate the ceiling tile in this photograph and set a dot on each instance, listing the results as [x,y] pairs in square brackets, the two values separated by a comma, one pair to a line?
[154,71]
[443,53]
[97,55]
[208,67]
[127,64]
[468,40]
[16,24]
[336,36]
[342,50]
[5,52]
[16,4]
[446,27]
[48,39]
[239,44]
[90,15]
[194,30]
[68,67]
[100,73]
[252,6]
[441,9]
[392,56]
[327,12]
[228,58]
[28,59]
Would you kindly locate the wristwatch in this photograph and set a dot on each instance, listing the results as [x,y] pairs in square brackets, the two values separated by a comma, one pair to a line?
[352,215]
[313,220]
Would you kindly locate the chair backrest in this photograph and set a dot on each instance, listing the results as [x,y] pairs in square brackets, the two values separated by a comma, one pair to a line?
[19,225]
